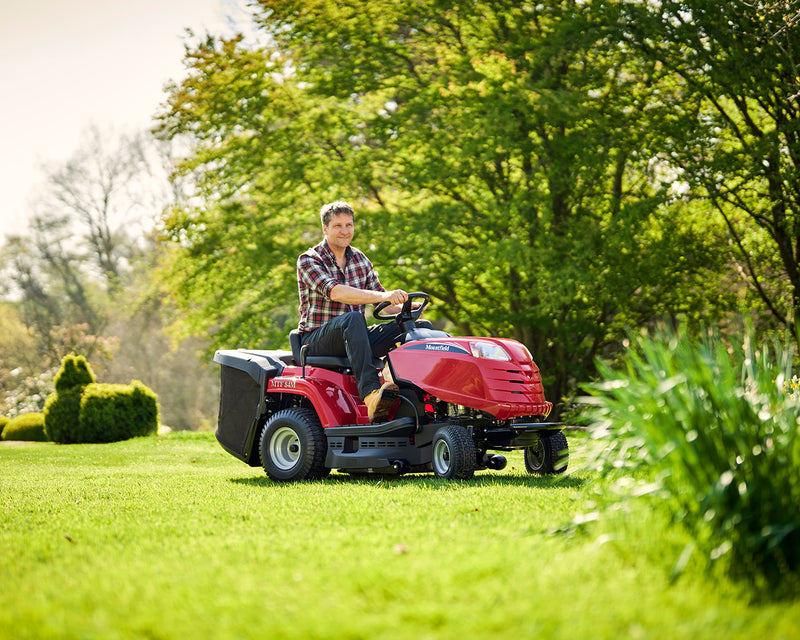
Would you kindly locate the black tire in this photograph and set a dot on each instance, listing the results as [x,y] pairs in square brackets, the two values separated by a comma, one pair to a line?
[293,446]
[454,455]
[550,456]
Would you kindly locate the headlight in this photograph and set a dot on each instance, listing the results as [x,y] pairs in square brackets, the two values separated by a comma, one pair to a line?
[488,350]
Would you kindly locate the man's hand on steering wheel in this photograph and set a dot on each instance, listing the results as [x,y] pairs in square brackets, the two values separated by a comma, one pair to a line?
[411,308]
[396,298]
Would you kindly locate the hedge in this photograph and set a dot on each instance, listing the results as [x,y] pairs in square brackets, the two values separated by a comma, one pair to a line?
[26,426]
[62,407]
[112,412]
[74,372]
[82,410]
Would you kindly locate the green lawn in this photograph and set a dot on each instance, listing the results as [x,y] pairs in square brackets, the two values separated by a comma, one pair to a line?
[171,537]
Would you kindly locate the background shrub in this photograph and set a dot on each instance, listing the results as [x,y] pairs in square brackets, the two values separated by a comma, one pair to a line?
[709,421]
[62,407]
[62,416]
[74,372]
[112,412]
[3,423]
[27,426]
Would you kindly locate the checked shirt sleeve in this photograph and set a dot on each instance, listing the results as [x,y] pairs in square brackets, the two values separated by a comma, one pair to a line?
[314,274]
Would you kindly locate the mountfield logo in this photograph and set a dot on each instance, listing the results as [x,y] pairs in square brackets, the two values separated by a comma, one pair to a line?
[437,347]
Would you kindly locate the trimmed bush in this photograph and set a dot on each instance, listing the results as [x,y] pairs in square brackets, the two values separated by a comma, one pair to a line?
[62,416]
[3,423]
[27,426]
[62,407]
[81,410]
[710,423]
[112,412]
[75,372]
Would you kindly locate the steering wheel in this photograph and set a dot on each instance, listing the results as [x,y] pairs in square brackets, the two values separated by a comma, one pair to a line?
[407,314]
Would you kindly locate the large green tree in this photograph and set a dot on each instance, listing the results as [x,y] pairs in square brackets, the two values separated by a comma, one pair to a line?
[498,153]
[734,123]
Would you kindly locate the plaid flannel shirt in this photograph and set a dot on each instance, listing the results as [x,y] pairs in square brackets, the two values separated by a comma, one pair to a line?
[318,274]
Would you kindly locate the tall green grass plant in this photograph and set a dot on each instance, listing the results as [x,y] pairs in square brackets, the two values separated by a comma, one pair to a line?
[709,423]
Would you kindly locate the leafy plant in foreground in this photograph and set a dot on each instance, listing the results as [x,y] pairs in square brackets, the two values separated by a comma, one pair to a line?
[711,422]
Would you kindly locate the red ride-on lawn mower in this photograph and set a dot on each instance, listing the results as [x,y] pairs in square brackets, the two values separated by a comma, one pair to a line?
[460,399]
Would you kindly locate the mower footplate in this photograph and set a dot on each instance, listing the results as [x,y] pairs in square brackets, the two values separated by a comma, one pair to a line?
[519,435]
[391,446]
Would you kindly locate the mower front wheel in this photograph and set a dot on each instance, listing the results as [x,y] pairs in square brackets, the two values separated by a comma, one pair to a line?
[293,446]
[454,456]
[550,456]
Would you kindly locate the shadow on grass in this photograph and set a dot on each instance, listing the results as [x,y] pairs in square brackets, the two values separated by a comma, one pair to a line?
[429,481]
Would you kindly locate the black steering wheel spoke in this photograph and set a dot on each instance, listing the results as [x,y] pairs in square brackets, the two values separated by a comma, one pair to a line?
[407,312]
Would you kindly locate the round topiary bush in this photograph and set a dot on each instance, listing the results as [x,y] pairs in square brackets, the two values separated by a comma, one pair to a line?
[27,426]
[3,423]
[112,412]
[62,407]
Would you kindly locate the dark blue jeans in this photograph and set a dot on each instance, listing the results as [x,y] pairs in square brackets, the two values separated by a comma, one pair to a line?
[348,335]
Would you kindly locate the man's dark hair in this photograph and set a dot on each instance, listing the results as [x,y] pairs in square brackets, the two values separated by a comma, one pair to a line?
[332,208]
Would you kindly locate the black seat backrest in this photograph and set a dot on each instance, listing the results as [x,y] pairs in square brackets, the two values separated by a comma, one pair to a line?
[326,362]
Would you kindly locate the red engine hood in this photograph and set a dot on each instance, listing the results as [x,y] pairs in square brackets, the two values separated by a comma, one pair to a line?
[446,368]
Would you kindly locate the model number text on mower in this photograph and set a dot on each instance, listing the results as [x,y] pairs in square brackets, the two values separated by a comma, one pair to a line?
[283,384]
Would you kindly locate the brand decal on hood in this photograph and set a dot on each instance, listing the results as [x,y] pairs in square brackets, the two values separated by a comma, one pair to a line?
[438,346]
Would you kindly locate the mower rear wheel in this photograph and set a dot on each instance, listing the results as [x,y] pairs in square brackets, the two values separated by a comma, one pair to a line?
[454,456]
[293,446]
[550,456]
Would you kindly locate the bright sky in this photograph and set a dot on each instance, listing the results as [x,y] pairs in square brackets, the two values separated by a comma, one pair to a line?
[66,64]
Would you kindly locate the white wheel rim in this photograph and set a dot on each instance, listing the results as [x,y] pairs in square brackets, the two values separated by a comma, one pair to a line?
[284,448]
[441,457]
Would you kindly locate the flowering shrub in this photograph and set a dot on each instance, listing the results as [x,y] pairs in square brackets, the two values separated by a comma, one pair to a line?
[27,394]
[792,388]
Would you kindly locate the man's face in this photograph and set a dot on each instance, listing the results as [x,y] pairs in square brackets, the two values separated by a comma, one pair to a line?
[339,231]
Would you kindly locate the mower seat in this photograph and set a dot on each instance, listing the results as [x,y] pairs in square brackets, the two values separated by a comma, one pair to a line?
[301,357]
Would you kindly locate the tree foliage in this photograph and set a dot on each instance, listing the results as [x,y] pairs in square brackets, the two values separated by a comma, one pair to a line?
[513,159]
[734,129]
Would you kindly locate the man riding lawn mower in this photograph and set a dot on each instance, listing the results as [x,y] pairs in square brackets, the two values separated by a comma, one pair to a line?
[325,405]
[459,399]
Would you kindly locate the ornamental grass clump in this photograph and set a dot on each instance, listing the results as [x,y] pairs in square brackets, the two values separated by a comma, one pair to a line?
[710,423]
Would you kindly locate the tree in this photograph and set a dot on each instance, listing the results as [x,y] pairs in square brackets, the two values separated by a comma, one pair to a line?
[734,123]
[493,150]
[100,188]
[80,282]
